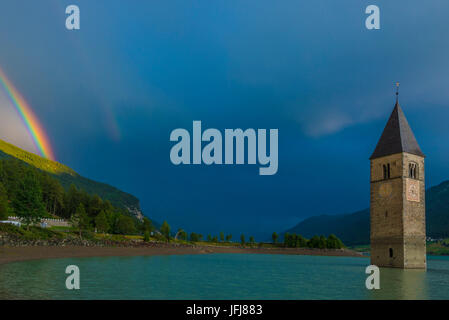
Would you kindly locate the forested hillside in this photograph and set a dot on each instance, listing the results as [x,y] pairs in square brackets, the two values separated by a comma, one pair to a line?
[31,194]
[66,177]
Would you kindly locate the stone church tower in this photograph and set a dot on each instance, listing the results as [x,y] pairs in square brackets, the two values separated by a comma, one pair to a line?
[397,211]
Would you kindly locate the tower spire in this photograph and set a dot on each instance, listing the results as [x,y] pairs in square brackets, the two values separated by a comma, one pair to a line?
[397,92]
[397,136]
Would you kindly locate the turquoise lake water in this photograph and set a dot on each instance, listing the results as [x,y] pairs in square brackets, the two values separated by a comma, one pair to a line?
[221,276]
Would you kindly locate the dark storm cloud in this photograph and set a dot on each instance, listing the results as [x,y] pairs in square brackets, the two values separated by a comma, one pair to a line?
[110,94]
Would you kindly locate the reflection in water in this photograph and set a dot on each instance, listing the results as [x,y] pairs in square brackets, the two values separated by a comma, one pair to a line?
[399,284]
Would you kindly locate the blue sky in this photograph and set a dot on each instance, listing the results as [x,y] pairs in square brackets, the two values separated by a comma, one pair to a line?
[109,95]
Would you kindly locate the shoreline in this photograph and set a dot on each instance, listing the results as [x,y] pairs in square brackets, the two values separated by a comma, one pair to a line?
[10,254]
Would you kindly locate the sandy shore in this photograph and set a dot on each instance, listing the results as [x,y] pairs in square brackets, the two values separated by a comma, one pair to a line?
[13,254]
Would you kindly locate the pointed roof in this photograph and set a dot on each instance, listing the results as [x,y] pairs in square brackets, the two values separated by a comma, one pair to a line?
[397,137]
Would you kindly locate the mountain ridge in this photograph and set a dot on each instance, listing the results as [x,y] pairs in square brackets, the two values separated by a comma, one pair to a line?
[354,228]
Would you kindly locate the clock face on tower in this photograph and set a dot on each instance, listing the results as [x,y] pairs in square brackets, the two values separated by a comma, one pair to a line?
[412,190]
[385,190]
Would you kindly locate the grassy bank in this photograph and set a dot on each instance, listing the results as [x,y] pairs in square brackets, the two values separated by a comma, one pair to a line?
[35,233]
[438,248]
[31,233]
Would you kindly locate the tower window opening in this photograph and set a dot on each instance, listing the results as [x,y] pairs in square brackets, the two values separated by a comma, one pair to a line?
[391,252]
[386,168]
[413,170]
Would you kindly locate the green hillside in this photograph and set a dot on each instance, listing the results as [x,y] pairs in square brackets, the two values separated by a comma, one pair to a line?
[34,160]
[68,176]
[353,229]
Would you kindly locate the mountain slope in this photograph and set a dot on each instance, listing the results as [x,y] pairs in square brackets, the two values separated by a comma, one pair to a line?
[437,210]
[353,229]
[68,176]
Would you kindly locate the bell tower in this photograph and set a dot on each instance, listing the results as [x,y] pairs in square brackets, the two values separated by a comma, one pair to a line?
[397,208]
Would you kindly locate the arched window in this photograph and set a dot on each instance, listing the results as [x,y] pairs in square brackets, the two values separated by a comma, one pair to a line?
[391,252]
[386,168]
[413,170]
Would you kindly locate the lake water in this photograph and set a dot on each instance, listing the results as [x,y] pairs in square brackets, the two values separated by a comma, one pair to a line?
[221,276]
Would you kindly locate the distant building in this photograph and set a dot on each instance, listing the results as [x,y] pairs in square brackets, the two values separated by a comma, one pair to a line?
[16,223]
[397,208]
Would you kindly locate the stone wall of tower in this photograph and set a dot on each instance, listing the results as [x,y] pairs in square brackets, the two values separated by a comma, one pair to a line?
[414,215]
[397,219]
[386,212]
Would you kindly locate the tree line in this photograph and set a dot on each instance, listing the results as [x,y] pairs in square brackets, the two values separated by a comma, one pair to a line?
[196,237]
[318,242]
[290,240]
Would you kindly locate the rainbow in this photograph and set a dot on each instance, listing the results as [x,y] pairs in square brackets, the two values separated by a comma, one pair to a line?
[37,133]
